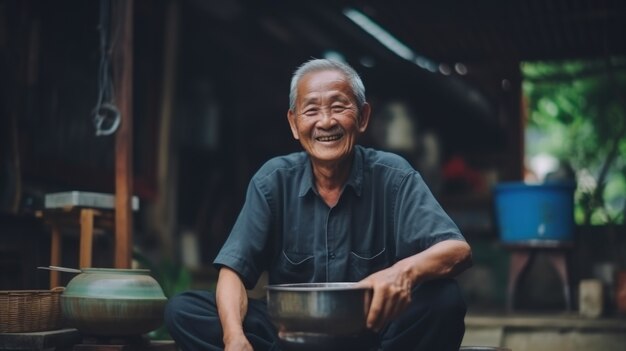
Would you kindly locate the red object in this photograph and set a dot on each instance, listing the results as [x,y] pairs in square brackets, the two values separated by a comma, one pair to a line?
[457,170]
[620,293]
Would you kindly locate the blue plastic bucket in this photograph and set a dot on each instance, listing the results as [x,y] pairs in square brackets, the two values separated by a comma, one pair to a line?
[528,212]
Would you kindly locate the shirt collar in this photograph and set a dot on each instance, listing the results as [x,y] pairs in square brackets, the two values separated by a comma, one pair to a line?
[355,180]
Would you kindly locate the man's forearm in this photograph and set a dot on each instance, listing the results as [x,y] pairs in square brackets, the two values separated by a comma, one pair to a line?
[232,303]
[445,259]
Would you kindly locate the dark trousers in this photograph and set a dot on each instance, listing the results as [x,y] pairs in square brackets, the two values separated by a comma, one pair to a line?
[433,321]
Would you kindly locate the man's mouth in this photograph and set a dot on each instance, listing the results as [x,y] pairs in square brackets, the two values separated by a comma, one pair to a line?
[329,137]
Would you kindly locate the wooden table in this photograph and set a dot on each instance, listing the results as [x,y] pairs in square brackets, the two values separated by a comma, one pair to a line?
[58,340]
[72,340]
[131,343]
[151,346]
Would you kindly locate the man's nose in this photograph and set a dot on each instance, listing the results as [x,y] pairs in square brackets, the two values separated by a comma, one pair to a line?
[326,119]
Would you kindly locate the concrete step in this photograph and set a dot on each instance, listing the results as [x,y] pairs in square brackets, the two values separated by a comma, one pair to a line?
[546,332]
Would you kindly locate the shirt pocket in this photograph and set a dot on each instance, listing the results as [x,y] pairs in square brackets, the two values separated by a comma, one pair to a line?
[296,267]
[364,264]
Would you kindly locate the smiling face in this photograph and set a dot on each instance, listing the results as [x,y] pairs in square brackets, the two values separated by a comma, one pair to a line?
[326,119]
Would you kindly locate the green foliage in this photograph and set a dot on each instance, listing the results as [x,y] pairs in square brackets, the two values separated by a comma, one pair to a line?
[579,110]
[173,278]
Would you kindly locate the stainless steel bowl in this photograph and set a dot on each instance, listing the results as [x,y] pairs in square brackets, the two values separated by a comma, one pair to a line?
[318,309]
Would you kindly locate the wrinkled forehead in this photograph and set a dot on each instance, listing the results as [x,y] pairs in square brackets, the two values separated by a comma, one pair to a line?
[324,83]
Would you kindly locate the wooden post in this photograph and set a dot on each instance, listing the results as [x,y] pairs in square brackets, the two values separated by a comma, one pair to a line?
[86,237]
[122,60]
[164,207]
[55,255]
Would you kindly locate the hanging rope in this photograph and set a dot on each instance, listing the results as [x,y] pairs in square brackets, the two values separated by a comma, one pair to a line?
[106,116]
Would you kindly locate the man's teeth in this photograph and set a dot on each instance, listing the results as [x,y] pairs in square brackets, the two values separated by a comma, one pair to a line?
[329,138]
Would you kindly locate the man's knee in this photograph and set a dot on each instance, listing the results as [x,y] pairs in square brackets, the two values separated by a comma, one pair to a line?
[174,310]
[189,308]
[433,321]
[445,298]
[191,319]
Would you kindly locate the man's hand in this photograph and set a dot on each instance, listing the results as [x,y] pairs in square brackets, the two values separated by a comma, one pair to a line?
[393,286]
[392,294]
[239,343]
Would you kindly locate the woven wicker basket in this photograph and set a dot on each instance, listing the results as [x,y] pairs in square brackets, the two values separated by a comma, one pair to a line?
[23,311]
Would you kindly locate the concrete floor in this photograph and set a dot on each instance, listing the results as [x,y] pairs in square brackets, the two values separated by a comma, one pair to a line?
[546,332]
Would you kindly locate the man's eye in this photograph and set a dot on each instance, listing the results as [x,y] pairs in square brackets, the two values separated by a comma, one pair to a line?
[310,112]
[338,109]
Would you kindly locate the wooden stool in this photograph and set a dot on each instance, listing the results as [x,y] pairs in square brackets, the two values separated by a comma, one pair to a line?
[522,254]
[84,218]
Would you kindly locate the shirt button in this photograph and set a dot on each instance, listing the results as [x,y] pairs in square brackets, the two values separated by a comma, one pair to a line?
[331,256]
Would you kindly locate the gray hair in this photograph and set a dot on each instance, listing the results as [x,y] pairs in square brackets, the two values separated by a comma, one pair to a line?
[317,65]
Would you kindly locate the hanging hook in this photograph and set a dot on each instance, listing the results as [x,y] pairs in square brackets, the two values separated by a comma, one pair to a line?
[106,116]
[106,119]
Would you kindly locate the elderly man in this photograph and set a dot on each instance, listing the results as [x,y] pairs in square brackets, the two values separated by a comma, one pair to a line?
[335,212]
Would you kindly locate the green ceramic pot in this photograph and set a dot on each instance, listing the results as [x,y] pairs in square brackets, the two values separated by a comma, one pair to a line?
[113,302]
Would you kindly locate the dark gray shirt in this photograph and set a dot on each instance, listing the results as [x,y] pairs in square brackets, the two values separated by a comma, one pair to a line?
[385,213]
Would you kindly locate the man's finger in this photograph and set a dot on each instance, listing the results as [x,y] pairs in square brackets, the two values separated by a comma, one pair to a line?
[376,308]
[383,317]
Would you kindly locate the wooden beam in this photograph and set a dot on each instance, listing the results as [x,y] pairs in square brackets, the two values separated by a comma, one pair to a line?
[122,60]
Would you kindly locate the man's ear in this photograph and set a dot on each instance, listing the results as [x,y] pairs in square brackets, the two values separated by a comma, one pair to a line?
[291,116]
[364,118]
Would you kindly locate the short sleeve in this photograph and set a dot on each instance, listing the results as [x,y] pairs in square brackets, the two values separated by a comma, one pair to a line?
[420,221]
[245,250]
